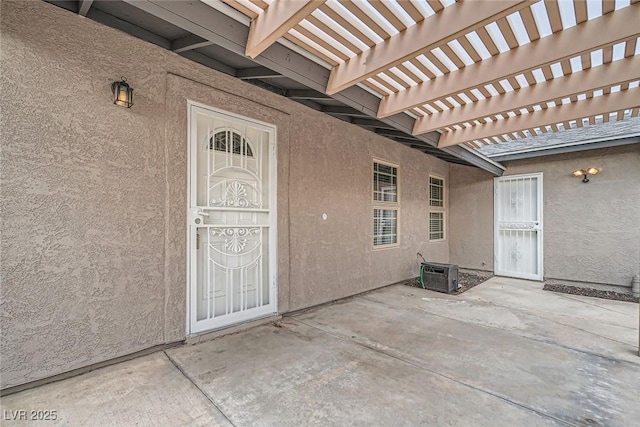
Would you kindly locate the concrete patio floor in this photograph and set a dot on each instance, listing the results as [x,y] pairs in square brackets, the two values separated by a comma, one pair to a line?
[503,353]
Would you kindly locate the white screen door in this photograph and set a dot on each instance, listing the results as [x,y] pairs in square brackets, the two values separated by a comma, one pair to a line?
[518,226]
[231,219]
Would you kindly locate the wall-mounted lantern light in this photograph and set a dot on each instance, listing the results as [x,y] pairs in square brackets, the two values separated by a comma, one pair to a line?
[585,173]
[122,93]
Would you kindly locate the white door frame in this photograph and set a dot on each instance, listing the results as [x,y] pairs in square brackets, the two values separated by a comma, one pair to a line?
[273,218]
[539,227]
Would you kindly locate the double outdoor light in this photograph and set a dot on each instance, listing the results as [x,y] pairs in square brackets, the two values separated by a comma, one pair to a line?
[122,93]
[585,173]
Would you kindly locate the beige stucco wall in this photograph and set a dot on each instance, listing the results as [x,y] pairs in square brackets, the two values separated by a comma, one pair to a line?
[471,218]
[94,196]
[333,175]
[591,231]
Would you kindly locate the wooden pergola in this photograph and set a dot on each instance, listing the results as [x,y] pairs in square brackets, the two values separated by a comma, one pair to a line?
[478,71]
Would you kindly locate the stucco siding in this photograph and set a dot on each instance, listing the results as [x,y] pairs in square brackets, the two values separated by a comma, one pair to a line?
[471,216]
[83,196]
[94,196]
[331,172]
[591,231]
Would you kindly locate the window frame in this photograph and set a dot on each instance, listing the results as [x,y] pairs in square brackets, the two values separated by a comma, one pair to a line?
[438,209]
[244,142]
[384,205]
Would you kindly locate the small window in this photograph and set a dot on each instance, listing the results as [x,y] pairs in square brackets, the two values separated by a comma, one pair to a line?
[436,208]
[385,183]
[385,227]
[436,225]
[229,141]
[386,204]
[436,192]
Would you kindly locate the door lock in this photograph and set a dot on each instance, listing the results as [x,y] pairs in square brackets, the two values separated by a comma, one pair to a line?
[194,216]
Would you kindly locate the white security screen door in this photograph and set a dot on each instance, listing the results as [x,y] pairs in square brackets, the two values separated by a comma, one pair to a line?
[518,226]
[231,219]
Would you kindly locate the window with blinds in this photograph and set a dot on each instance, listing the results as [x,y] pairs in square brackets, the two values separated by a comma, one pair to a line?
[385,183]
[386,204]
[436,208]
[436,192]
[436,225]
[385,227]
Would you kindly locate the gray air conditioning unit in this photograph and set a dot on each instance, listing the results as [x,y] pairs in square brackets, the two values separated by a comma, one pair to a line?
[439,277]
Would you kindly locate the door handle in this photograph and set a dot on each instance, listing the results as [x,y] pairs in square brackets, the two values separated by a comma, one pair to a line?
[199,213]
[194,216]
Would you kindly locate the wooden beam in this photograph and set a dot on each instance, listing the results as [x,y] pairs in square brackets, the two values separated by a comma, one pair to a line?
[392,133]
[208,62]
[241,8]
[369,123]
[84,6]
[411,10]
[347,25]
[575,41]
[260,3]
[207,22]
[256,73]
[357,9]
[574,84]
[189,42]
[576,110]
[305,94]
[441,28]
[335,110]
[127,27]
[275,21]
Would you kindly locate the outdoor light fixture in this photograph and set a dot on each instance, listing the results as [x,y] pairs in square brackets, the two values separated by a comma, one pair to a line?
[585,173]
[122,93]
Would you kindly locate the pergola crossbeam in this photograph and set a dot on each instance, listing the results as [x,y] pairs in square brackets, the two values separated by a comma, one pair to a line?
[574,84]
[189,42]
[604,104]
[560,47]
[392,133]
[206,22]
[335,110]
[84,6]
[275,21]
[305,94]
[439,29]
[256,73]
[209,62]
[370,123]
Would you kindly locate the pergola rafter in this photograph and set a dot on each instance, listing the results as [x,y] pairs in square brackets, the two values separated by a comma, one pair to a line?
[564,45]
[84,6]
[614,102]
[571,85]
[437,30]
[464,67]
[275,21]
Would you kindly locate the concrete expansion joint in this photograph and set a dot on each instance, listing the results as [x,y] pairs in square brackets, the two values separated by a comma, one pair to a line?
[565,325]
[206,396]
[544,341]
[403,358]
[570,297]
